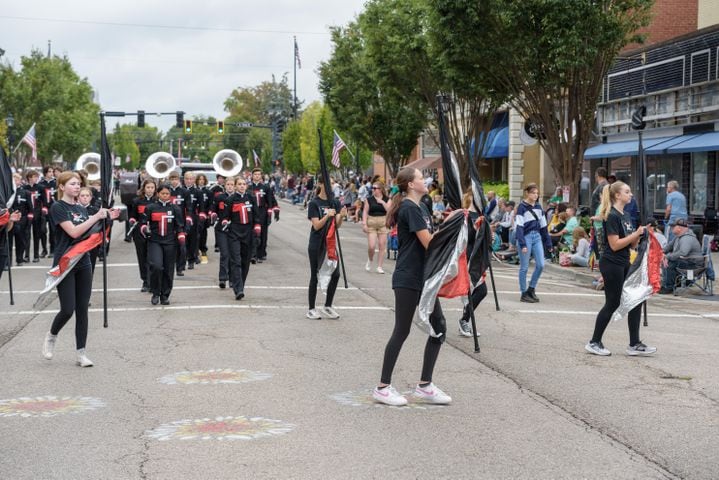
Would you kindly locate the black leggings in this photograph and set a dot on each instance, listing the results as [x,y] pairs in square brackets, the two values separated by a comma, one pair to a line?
[614,276]
[477,296]
[74,292]
[331,288]
[405,303]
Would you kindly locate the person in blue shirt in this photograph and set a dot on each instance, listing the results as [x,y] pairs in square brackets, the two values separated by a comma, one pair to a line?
[676,207]
[532,238]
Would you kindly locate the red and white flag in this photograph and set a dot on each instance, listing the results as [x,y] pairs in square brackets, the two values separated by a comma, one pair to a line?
[31,141]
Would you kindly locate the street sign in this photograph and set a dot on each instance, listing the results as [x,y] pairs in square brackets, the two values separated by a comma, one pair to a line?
[638,122]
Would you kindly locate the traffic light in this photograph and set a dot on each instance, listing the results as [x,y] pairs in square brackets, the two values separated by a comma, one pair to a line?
[188,126]
[221,127]
[140,118]
[179,119]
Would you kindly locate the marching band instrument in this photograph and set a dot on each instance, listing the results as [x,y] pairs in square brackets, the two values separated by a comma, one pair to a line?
[160,164]
[227,163]
[90,164]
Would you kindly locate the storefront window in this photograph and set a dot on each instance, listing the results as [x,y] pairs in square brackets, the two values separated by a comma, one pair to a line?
[622,169]
[661,169]
[698,200]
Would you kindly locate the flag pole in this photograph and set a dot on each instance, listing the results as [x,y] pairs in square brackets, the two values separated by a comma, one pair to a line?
[104,194]
[294,77]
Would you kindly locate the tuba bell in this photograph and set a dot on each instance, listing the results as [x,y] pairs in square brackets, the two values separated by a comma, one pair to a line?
[90,164]
[227,163]
[160,164]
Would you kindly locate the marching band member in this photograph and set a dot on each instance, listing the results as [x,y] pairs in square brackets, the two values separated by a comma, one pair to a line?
[136,216]
[49,185]
[7,221]
[22,204]
[266,205]
[205,195]
[193,211]
[36,217]
[319,211]
[164,227]
[240,218]
[72,221]
[216,190]
[84,199]
[178,196]
[218,211]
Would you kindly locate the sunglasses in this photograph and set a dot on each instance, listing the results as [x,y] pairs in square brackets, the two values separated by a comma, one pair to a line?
[376,188]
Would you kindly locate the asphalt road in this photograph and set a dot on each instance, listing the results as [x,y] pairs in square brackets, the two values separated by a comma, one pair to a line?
[213,388]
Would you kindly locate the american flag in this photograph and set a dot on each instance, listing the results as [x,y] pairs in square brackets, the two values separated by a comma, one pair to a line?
[297,54]
[338,146]
[30,140]
[256,157]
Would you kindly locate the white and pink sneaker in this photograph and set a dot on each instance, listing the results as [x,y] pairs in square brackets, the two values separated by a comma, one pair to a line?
[432,394]
[389,396]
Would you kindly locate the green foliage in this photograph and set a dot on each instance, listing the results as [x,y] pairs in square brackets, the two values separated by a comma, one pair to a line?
[48,92]
[500,188]
[291,147]
[138,143]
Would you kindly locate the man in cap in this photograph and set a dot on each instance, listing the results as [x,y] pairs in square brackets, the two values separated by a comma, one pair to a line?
[683,251]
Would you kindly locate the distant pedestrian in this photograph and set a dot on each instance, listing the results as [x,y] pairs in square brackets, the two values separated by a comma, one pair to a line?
[532,238]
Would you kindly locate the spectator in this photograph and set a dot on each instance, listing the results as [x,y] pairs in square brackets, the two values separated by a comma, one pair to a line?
[683,251]
[491,209]
[557,231]
[652,224]
[438,209]
[572,223]
[557,198]
[506,223]
[580,246]
[676,207]
[531,234]
[374,224]
[600,177]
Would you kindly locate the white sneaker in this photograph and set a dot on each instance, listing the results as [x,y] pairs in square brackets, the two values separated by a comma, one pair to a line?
[380,270]
[82,359]
[597,348]
[329,312]
[465,329]
[368,266]
[641,350]
[313,314]
[432,394]
[48,346]
[389,396]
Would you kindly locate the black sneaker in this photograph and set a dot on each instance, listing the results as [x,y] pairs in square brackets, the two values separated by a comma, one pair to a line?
[35,260]
[144,289]
[43,254]
[164,300]
[530,292]
[180,273]
[527,298]
[222,284]
[239,295]
[155,299]
[253,261]
[191,265]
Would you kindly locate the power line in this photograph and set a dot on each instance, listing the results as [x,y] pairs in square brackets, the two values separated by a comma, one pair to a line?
[168,27]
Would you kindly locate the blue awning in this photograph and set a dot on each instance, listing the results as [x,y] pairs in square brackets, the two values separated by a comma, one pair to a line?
[497,145]
[703,142]
[625,148]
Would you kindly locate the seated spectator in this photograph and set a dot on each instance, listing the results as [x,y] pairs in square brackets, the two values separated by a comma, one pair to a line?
[684,251]
[438,209]
[506,222]
[580,247]
[655,229]
[556,199]
[557,229]
[572,223]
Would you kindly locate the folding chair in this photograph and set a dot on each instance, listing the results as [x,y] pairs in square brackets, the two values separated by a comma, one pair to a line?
[701,277]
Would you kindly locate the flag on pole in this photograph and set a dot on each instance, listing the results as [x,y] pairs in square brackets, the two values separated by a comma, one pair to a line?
[297,54]
[256,158]
[106,178]
[31,141]
[337,147]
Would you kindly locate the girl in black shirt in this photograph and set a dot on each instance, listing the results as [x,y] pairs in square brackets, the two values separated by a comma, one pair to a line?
[374,219]
[619,237]
[414,232]
[319,211]
[72,221]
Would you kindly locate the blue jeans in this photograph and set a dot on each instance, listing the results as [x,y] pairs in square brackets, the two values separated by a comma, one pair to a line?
[535,249]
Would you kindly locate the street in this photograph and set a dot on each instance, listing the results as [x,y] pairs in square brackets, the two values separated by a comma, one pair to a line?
[213,388]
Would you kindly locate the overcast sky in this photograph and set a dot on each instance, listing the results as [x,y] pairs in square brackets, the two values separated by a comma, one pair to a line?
[218,46]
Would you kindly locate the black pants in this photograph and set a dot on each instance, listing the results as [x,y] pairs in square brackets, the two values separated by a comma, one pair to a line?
[39,235]
[614,276]
[202,237]
[141,250]
[331,288]
[3,259]
[221,241]
[161,259]
[51,233]
[74,292]
[192,242]
[17,237]
[180,257]
[240,248]
[477,296]
[261,241]
[405,303]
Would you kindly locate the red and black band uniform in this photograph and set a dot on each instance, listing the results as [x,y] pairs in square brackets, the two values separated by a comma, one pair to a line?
[217,211]
[136,216]
[179,197]
[205,204]
[37,223]
[164,225]
[21,229]
[240,212]
[215,191]
[50,190]
[194,222]
[266,204]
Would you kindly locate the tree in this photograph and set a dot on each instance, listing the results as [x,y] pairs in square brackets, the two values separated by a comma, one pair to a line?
[551,60]
[291,147]
[123,144]
[48,92]
[375,114]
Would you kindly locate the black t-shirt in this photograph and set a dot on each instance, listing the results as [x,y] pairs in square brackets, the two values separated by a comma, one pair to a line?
[376,209]
[317,208]
[617,224]
[409,268]
[60,212]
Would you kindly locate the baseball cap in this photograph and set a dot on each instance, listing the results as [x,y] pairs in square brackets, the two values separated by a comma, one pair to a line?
[681,222]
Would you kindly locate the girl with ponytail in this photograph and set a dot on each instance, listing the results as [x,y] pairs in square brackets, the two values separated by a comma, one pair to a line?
[619,238]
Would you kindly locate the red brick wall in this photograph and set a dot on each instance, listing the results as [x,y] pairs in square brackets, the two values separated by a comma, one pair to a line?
[670,18]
